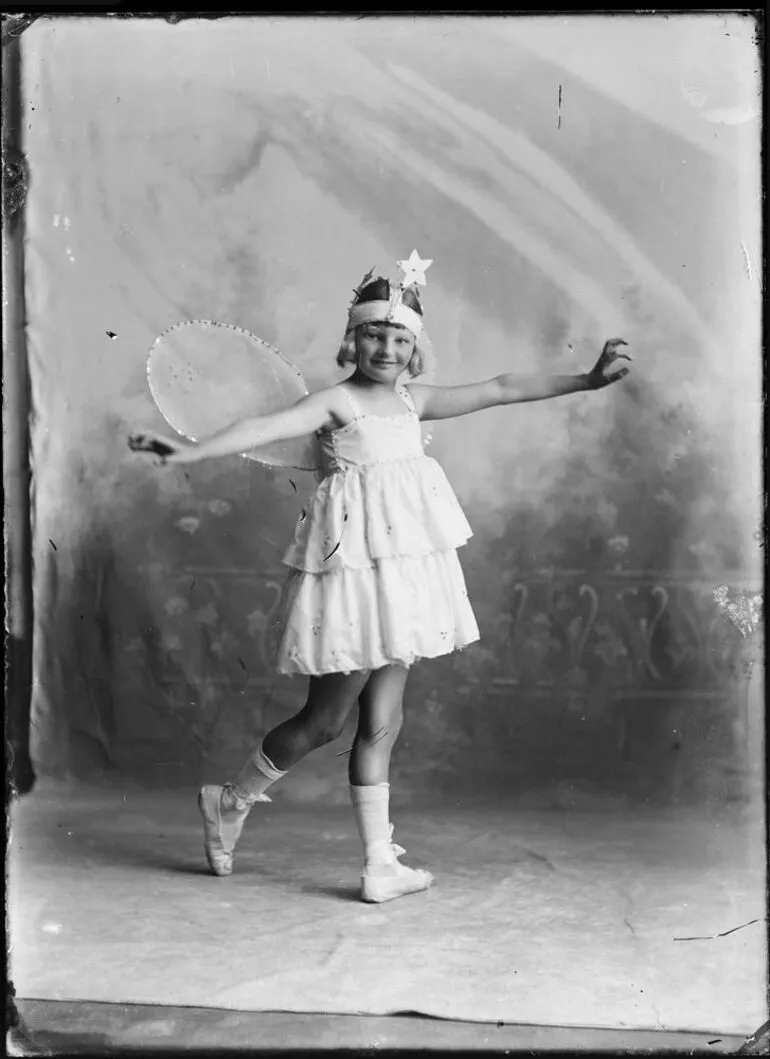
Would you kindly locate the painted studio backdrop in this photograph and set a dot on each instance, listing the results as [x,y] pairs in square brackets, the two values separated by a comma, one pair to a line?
[573,180]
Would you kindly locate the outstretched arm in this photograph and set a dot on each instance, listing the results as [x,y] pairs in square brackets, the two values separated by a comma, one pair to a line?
[308,415]
[445,402]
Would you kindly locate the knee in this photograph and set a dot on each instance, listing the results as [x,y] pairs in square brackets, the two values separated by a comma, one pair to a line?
[326,730]
[387,728]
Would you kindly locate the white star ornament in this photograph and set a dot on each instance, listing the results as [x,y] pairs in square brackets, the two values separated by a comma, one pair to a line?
[414,269]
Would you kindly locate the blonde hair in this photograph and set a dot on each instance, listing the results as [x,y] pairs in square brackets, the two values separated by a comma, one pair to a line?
[421,360]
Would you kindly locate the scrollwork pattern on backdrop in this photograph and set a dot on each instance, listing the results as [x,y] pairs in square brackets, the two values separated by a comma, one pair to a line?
[647,633]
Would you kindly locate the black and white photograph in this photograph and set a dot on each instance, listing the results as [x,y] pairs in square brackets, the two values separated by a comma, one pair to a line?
[384,533]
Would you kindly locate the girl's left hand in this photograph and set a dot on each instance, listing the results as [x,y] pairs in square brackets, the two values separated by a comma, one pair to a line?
[602,373]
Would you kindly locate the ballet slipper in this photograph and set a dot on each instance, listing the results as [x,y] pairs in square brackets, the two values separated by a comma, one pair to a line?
[222,827]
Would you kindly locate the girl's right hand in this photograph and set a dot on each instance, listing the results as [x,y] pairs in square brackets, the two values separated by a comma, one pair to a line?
[167,449]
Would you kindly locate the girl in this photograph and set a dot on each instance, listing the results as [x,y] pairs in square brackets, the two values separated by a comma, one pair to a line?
[375,582]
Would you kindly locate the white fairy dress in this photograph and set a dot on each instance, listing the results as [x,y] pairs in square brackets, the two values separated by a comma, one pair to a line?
[375,575]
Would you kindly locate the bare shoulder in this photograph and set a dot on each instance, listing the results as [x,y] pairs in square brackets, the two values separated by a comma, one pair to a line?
[334,401]
[419,392]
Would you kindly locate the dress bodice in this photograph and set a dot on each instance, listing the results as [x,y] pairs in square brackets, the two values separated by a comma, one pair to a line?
[370,439]
[380,496]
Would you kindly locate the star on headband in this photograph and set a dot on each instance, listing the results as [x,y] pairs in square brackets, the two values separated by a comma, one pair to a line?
[414,269]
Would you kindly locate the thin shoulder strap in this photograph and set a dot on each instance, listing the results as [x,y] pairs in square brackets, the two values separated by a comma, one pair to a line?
[406,397]
[354,405]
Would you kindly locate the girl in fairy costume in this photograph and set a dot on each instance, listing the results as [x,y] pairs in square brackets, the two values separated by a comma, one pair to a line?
[375,583]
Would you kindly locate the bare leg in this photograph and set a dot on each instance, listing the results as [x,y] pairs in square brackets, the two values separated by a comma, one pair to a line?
[224,809]
[320,721]
[379,723]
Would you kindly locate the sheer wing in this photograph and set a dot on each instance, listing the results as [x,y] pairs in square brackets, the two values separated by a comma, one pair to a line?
[204,375]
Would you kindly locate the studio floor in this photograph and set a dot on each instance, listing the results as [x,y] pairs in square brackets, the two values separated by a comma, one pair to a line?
[546,923]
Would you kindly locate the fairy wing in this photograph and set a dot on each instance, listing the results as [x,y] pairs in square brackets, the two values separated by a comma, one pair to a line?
[204,375]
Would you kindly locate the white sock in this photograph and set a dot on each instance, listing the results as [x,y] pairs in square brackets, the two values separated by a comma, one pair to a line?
[256,776]
[371,806]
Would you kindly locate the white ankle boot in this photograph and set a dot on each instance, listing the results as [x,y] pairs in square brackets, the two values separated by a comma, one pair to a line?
[383,878]
[390,879]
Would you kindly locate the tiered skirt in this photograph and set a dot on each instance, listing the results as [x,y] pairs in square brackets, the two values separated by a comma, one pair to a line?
[375,578]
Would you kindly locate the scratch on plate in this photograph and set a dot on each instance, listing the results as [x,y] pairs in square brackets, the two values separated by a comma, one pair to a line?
[339,542]
[711,937]
[539,857]
[335,950]
[378,735]
[746,259]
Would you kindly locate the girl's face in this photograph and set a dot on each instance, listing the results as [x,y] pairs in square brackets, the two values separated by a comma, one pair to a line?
[383,351]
